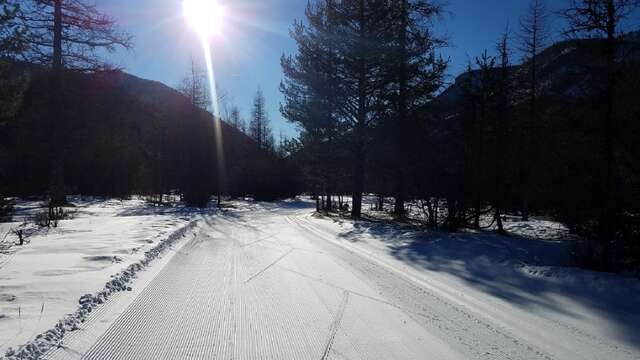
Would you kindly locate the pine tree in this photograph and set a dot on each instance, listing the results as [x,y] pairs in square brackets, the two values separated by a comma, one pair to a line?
[415,75]
[534,37]
[310,89]
[501,128]
[12,45]
[194,87]
[66,35]
[12,32]
[236,121]
[259,129]
[365,25]
[195,145]
[604,19]
[338,75]
[481,120]
[11,87]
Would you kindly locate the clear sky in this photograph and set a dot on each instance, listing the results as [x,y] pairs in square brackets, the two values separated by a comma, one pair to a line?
[256,34]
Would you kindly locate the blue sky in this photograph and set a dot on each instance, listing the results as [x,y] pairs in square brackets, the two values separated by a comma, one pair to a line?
[256,34]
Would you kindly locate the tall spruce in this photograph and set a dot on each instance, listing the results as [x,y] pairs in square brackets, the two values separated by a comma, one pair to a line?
[604,19]
[482,112]
[415,73]
[534,38]
[259,129]
[12,45]
[236,120]
[363,28]
[11,87]
[12,31]
[339,71]
[66,35]
[194,86]
[311,97]
[501,128]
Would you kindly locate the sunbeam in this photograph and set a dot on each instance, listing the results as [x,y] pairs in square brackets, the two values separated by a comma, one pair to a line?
[215,106]
[206,19]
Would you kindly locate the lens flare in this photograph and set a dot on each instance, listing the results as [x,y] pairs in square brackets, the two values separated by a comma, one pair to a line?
[204,16]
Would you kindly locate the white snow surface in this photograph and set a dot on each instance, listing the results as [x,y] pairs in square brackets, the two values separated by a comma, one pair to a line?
[49,285]
[273,281]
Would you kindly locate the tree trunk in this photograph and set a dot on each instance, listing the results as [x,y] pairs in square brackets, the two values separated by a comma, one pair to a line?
[476,217]
[57,193]
[453,215]
[608,209]
[530,133]
[498,218]
[501,133]
[436,207]
[358,186]
[57,35]
[358,176]
[401,123]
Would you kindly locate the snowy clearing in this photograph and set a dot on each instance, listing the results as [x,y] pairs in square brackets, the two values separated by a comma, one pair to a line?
[42,281]
[272,281]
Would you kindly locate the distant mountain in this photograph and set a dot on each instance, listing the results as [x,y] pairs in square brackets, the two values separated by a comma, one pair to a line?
[566,68]
[120,134]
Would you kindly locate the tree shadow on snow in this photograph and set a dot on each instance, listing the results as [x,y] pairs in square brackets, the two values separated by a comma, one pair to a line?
[529,273]
[177,210]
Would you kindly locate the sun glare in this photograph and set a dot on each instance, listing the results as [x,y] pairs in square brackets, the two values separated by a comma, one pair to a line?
[204,16]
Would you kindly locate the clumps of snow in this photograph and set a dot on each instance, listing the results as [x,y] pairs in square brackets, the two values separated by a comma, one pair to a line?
[7,297]
[88,302]
[104,258]
[537,228]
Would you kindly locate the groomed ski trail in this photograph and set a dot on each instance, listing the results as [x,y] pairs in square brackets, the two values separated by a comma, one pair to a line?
[271,284]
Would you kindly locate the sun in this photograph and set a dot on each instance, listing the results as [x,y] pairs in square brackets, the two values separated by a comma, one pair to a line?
[204,16]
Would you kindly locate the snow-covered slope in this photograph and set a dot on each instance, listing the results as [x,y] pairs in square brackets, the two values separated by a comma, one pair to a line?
[42,281]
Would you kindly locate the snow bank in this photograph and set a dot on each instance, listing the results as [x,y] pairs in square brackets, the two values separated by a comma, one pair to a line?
[41,282]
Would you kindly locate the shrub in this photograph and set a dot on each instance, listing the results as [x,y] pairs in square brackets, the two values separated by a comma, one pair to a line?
[6,208]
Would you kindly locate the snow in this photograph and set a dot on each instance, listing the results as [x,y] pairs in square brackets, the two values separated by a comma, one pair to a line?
[275,281]
[53,281]
[525,285]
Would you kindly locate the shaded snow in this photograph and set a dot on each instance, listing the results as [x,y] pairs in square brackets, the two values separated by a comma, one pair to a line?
[526,280]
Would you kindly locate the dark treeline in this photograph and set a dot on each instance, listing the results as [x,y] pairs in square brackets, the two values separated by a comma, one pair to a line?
[531,128]
[123,136]
[73,123]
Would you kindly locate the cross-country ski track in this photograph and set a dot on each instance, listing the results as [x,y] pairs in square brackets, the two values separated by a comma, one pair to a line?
[274,282]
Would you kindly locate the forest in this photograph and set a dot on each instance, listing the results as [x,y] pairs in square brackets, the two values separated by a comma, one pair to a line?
[543,124]
[532,126]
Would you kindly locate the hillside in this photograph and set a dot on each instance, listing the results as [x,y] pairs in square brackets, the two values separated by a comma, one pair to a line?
[121,135]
